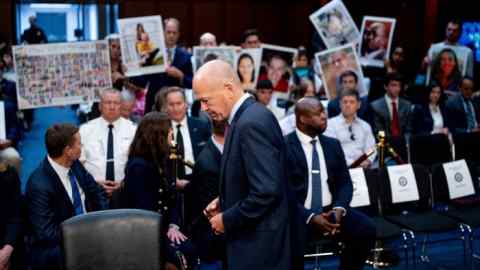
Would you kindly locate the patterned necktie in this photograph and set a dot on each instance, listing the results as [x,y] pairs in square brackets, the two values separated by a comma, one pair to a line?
[395,124]
[316,180]
[110,172]
[77,199]
[470,117]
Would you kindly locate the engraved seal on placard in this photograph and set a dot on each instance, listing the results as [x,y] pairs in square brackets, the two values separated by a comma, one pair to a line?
[402,181]
[458,177]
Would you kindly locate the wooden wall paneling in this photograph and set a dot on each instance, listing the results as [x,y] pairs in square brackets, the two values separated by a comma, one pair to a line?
[208,16]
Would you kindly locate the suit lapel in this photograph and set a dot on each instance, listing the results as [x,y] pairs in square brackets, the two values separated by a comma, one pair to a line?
[193,131]
[230,135]
[300,156]
[57,184]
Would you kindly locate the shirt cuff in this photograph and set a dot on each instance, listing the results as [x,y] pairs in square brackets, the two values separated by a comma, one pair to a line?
[174,226]
[344,210]
[310,217]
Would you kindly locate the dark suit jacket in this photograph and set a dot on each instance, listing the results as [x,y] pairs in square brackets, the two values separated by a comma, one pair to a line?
[253,192]
[457,117]
[200,133]
[144,188]
[182,61]
[10,199]
[381,116]
[422,121]
[205,188]
[365,112]
[339,181]
[49,205]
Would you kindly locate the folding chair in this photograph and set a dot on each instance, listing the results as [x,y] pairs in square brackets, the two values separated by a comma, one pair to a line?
[428,150]
[466,209]
[417,215]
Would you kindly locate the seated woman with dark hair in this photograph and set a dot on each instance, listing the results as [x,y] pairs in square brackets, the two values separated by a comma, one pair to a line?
[150,185]
[429,118]
[446,71]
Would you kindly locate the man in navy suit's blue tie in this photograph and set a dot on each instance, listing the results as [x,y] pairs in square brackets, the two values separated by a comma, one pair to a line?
[318,172]
[254,207]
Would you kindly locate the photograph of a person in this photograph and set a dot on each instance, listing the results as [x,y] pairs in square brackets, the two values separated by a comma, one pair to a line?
[333,63]
[277,64]
[377,35]
[448,66]
[335,25]
[143,45]
[201,55]
[248,67]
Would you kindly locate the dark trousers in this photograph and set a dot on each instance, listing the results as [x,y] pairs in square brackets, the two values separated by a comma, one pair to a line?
[357,232]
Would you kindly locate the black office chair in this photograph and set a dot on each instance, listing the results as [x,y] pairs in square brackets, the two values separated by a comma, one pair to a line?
[418,216]
[466,146]
[430,149]
[113,240]
[465,210]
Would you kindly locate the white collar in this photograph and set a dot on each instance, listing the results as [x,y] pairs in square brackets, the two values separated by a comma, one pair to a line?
[236,106]
[106,123]
[217,144]
[390,100]
[344,120]
[59,169]
[183,122]
[304,138]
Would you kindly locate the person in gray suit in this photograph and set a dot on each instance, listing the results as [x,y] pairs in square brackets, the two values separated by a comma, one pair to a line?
[392,113]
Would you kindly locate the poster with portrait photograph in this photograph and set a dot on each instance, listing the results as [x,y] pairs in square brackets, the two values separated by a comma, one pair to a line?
[143,45]
[336,61]
[248,67]
[446,60]
[61,73]
[201,55]
[335,25]
[277,62]
[377,35]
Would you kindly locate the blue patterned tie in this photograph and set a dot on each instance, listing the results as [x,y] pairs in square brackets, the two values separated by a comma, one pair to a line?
[316,180]
[77,200]
[470,116]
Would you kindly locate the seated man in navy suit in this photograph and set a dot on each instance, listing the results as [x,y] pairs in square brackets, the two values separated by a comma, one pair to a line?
[319,175]
[179,70]
[463,113]
[57,190]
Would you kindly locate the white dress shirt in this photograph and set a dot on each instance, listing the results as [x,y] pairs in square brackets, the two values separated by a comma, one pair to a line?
[187,141]
[62,173]
[277,111]
[308,149]
[94,138]
[288,124]
[217,144]
[437,118]
[363,139]
[236,106]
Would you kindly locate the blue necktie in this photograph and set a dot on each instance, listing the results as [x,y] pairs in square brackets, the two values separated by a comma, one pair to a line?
[470,116]
[77,200]
[316,180]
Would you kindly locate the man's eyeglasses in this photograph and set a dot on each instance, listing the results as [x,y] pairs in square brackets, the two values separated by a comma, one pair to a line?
[352,136]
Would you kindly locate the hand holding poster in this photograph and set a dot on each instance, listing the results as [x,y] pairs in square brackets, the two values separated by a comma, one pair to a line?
[61,73]
[377,35]
[143,45]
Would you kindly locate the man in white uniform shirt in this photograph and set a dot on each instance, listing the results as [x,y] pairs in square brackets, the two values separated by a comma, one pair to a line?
[355,135]
[106,141]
